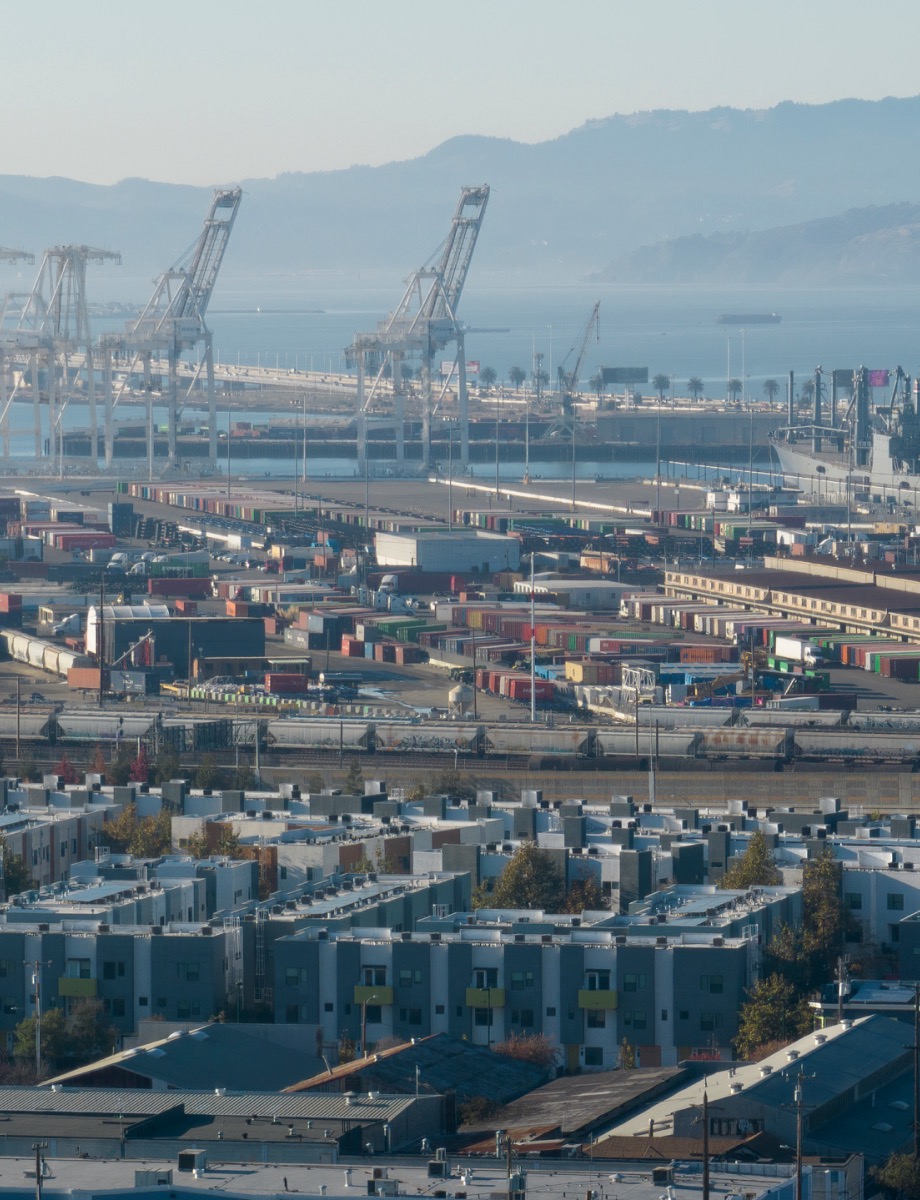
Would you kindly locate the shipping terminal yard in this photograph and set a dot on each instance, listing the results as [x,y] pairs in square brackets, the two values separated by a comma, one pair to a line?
[275,744]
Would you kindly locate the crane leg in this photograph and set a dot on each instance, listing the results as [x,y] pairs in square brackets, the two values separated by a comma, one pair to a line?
[463,402]
[212,402]
[172,414]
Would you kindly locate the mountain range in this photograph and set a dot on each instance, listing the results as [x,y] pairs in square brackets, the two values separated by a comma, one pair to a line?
[666,196]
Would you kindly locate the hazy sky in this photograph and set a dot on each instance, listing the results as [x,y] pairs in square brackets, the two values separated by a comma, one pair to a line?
[201,91]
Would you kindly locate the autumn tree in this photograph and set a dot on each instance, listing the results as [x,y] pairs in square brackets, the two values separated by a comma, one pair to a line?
[537,1048]
[228,842]
[67,771]
[585,894]
[774,1012]
[140,767]
[755,868]
[97,763]
[626,1059]
[144,837]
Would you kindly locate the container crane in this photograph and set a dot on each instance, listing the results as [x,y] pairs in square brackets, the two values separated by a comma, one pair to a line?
[53,328]
[173,322]
[423,323]
[567,381]
[7,255]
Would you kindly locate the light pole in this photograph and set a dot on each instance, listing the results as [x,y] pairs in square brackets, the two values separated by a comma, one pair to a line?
[450,478]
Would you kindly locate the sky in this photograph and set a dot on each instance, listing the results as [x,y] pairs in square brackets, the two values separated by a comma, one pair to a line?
[201,92]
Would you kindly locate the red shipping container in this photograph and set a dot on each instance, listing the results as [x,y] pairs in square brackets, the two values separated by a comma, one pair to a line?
[285,682]
[10,601]
[188,607]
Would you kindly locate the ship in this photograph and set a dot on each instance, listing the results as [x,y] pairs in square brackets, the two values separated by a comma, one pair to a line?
[875,447]
[748,319]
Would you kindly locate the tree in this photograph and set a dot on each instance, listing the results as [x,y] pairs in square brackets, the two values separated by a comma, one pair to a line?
[585,894]
[165,766]
[66,770]
[540,380]
[596,384]
[208,774]
[53,1038]
[451,783]
[774,1012]
[16,875]
[144,837]
[626,1059]
[661,384]
[28,771]
[315,782]
[487,376]
[354,779]
[824,921]
[97,762]
[755,868]
[228,843]
[807,392]
[537,1048]
[530,879]
[196,845]
[770,389]
[517,376]
[89,1032]
[735,387]
[695,387]
[900,1175]
[140,767]
[243,776]
[119,772]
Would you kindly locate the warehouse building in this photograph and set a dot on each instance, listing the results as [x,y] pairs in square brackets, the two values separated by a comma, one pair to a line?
[482,552]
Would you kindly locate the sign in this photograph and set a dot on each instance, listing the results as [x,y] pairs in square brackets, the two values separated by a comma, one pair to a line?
[878,378]
[624,375]
[448,368]
[843,379]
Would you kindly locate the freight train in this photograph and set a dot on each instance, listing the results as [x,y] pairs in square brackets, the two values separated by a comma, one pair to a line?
[859,738]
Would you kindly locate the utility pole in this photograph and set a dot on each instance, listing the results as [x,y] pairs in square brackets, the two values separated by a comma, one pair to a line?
[533,651]
[841,984]
[798,1138]
[18,716]
[706,1144]
[38,1147]
[100,627]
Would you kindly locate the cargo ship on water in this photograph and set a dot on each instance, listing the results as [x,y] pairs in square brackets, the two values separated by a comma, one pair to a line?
[875,446]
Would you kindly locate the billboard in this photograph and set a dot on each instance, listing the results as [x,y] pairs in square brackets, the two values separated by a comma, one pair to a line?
[878,378]
[843,379]
[448,368]
[625,375]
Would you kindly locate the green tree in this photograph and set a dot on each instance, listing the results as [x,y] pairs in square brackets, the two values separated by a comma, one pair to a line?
[89,1033]
[774,1012]
[208,774]
[661,384]
[755,868]
[516,376]
[119,772]
[735,387]
[451,783]
[243,776]
[152,836]
[354,779]
[899,1175]
[807,392]
[28,770]
[824,921]
[770,389]
[228,843]
[530,879]
[487,377]
[17,877]
[315,782]
[54,1038]
[197,845]
[165,767]
[596,384]
[695,387]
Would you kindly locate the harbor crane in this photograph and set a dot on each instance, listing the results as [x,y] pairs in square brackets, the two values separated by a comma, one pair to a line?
[173,322]
[423,323]
[53,330]
[11,256]
[567,382]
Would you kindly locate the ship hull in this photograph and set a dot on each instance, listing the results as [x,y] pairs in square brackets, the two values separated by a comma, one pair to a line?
[882,474]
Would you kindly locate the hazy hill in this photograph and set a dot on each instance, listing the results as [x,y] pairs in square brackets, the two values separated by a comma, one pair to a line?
[862,246]
[559,209]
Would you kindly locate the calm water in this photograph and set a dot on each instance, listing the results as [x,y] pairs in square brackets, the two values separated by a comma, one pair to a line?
[305,325]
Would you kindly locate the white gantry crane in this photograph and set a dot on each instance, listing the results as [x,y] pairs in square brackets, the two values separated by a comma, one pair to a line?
[49,328]
[173,322]
[11,256]
[424,322]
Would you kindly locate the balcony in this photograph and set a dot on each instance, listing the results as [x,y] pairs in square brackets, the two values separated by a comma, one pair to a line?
[485,997]
[376,993]
[597,998]
[76,987]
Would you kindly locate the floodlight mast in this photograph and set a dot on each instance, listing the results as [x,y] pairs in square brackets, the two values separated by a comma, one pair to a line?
[174,319]
[422,324]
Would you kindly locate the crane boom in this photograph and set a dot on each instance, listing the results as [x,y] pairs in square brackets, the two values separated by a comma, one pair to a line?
[568,380]
[16,255]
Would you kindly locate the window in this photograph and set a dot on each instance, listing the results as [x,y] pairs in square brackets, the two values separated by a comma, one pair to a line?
[632,983]
[664,1014]
[405,979]
[78,968]
[521,979]
[853,901]
[282,872]
[597,1018]
[415,1016]
[327,1007]
[294,976]
[551,1012]
[684,1015]
[712,984]
[113,970]
[895,901]
[594,1056]
[187,972]
[374,1014]
[597,981]
[373,976]
[527,1016]
[7,967]
[439,1010]
[486,978]
[482,1016]
[711,1021]
[142,1002]
[118,1008]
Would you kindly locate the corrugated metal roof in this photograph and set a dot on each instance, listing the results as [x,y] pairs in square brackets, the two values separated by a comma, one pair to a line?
[332,1106]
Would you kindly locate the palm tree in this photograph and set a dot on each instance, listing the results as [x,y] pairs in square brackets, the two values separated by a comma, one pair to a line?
[661,384]
[517,376]
[487,377]
[596,384]
[808,390]
[770,389]
[735,388]
[695,387]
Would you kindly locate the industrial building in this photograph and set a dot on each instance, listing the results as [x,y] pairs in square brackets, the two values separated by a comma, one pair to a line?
[479,552]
